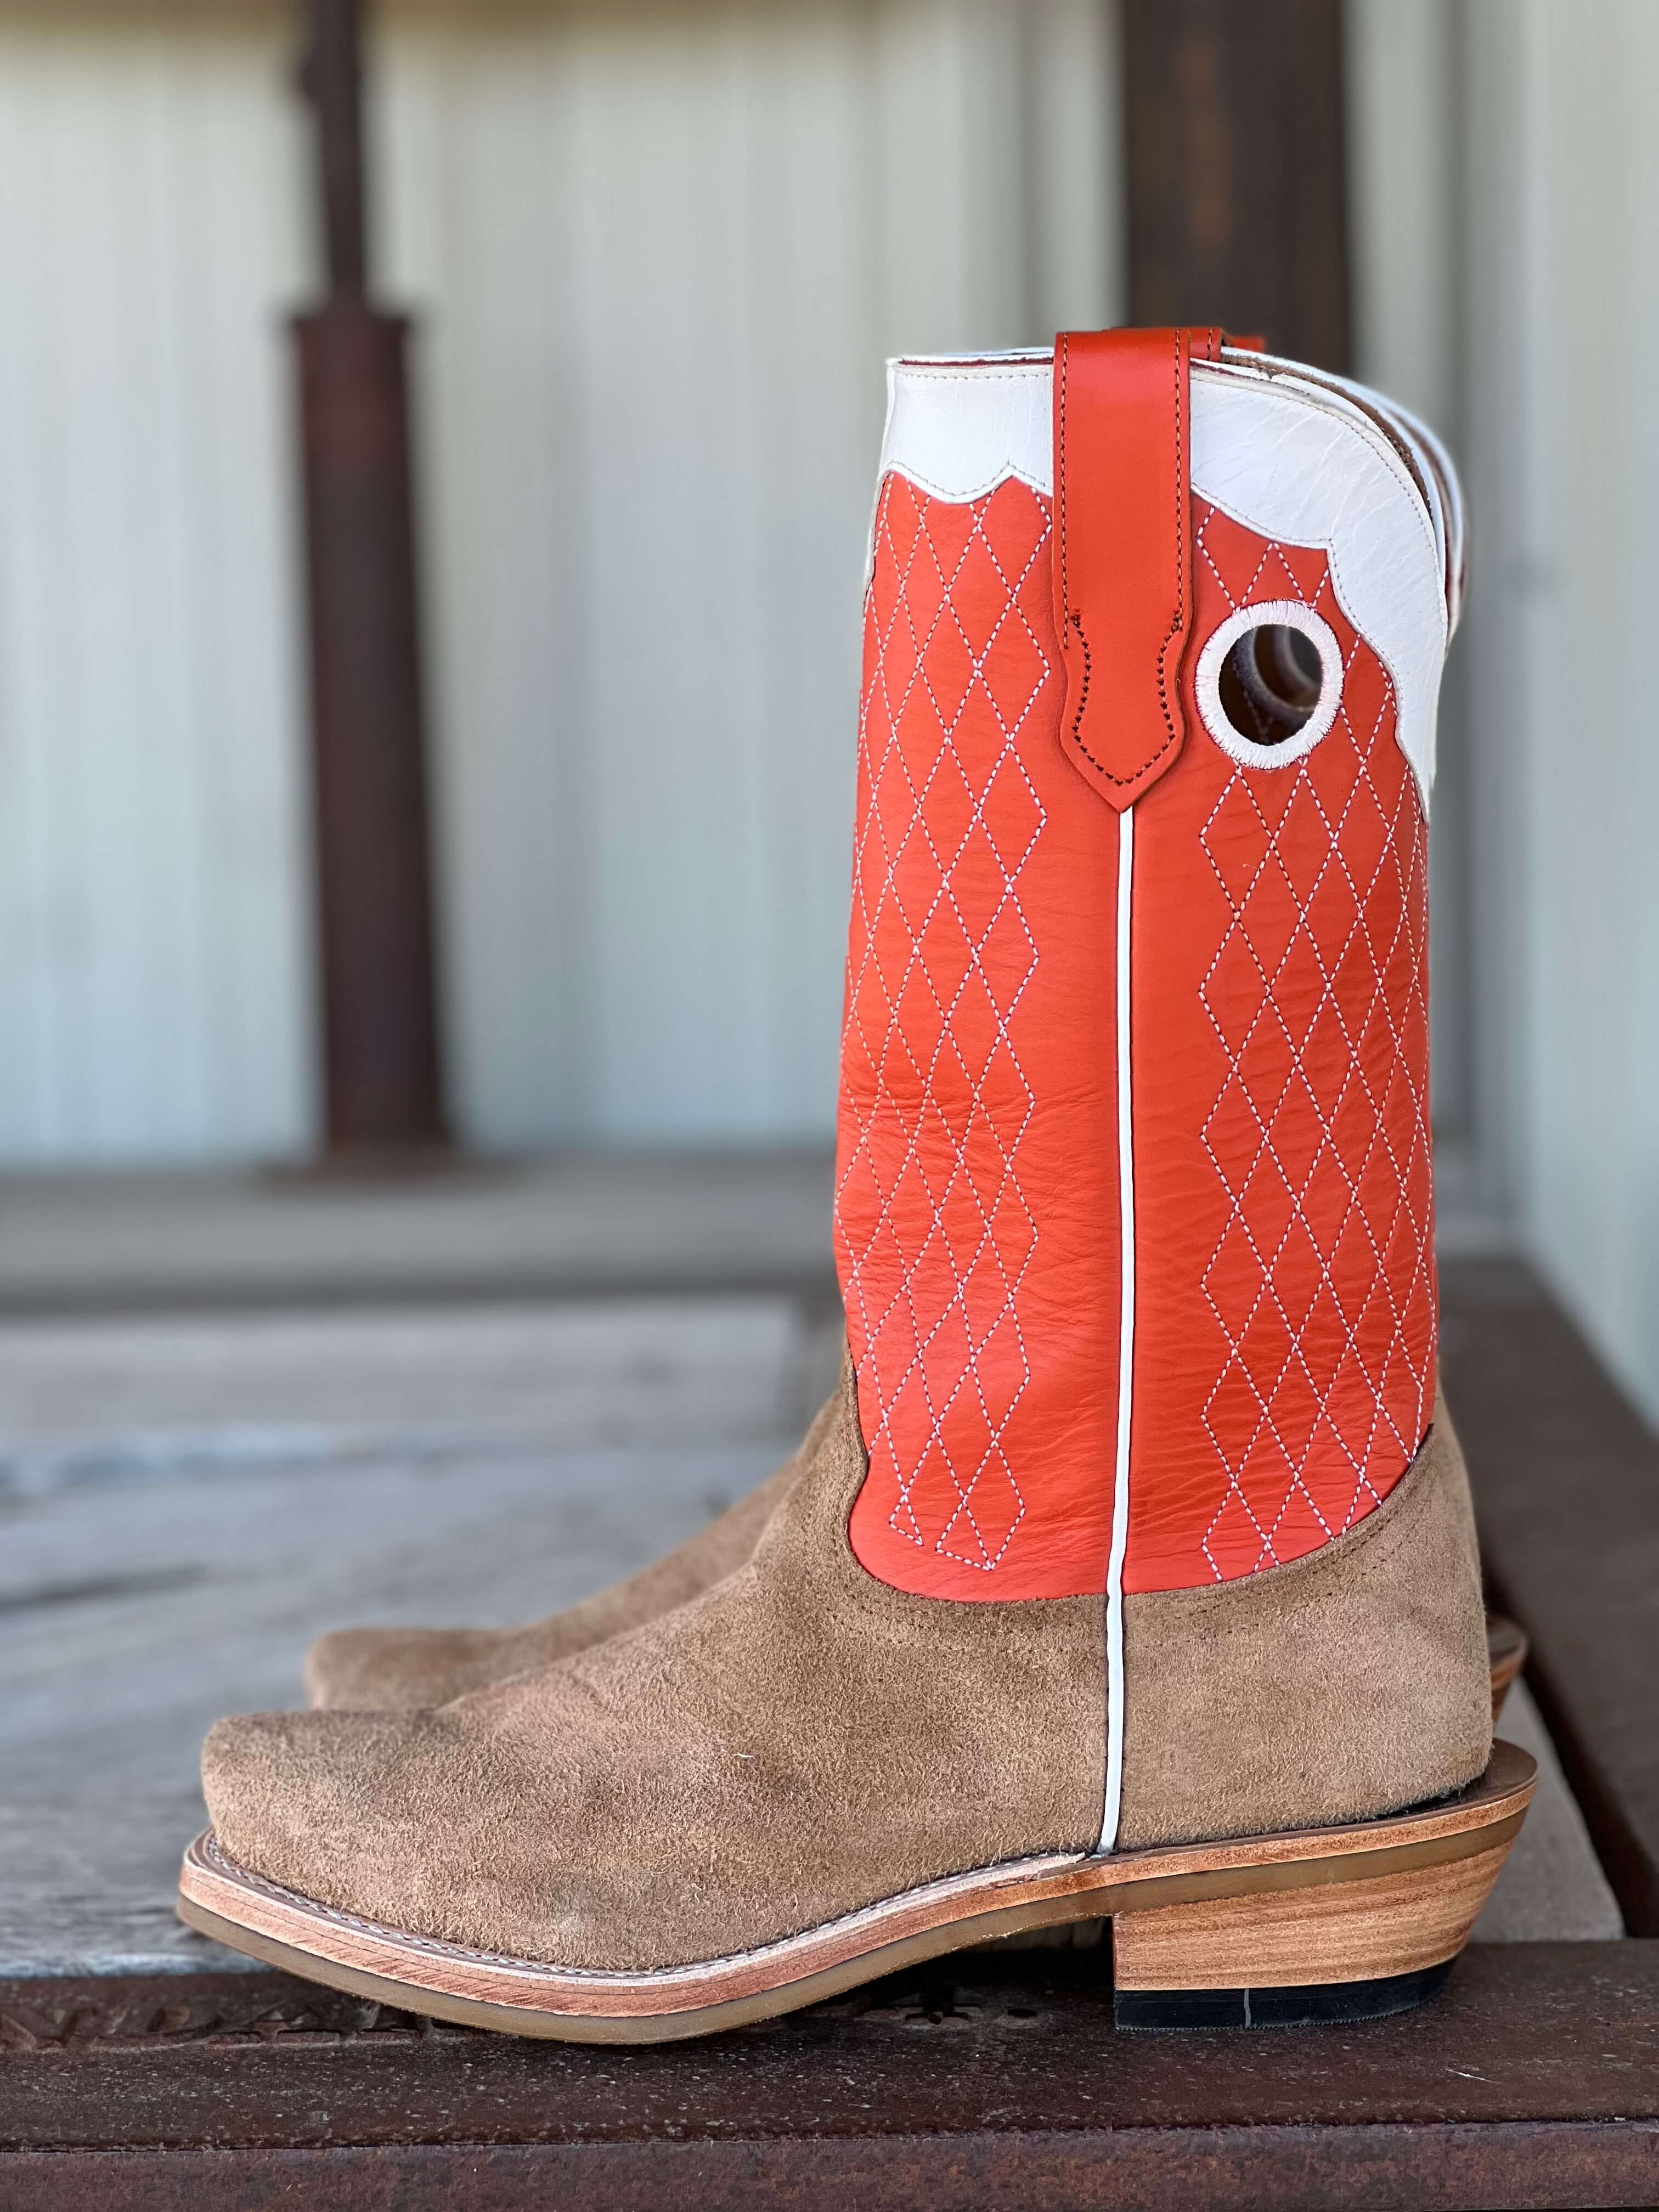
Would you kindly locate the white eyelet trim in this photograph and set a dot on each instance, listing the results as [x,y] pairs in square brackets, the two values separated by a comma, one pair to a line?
[1293,616]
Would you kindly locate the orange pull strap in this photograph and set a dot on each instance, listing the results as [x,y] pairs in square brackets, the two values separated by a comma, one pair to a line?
[1123,548]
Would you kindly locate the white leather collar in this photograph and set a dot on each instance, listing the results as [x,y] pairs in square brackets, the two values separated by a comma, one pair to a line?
[1282,457]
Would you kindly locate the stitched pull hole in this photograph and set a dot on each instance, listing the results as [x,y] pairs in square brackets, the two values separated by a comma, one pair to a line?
[1271,682]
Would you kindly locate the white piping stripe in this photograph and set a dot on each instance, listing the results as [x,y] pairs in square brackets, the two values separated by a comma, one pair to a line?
[1126,1185]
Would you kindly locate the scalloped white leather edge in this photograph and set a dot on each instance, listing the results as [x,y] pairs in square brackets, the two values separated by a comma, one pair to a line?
[958,428]
[1288,468]
[1438,478]
[1267,451]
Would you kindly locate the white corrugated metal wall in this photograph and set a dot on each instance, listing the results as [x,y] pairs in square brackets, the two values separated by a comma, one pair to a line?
[1507,193]
[665,258]
[660,256]
[152,994]
[661,253]
[1561,332]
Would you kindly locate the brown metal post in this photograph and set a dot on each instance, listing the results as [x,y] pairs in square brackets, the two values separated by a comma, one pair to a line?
[381,1056]
[1237,170]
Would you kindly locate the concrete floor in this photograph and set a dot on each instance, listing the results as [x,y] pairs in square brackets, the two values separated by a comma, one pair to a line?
[185,1501]
[574,1225]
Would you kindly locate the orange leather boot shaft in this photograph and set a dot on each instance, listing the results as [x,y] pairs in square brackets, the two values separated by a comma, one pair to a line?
[977,1071]
[1134,1198]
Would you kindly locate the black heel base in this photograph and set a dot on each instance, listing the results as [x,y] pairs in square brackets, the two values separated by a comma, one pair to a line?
[1313,2005]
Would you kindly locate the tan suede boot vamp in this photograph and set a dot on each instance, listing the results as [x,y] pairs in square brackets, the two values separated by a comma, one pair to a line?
[802,1740]
[400,1669]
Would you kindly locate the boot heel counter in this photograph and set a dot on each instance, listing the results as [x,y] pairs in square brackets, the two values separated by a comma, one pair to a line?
[1457,1594]
[1349,1684]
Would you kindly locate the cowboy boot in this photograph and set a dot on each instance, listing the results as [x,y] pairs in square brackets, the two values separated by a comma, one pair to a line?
[401,1669]
[1133,1574]
[398,1669]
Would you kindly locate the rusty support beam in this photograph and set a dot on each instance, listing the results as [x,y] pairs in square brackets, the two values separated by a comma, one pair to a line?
[382,1079]
[1235,141]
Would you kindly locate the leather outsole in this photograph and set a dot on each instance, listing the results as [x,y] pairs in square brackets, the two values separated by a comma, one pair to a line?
[1366,1901]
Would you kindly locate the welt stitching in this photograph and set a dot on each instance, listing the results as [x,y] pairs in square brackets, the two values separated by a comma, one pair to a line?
[436,1947]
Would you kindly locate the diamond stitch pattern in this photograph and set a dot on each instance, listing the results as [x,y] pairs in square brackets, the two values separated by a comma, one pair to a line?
[1304,911]
[971,971]
[939,957]
[1285,1290]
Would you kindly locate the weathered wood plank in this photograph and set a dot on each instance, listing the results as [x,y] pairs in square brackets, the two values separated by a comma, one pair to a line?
[1566,1482]
[1533,2080]
[173,1531]
[151,1581]
[571,1225]
[1437,2168]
